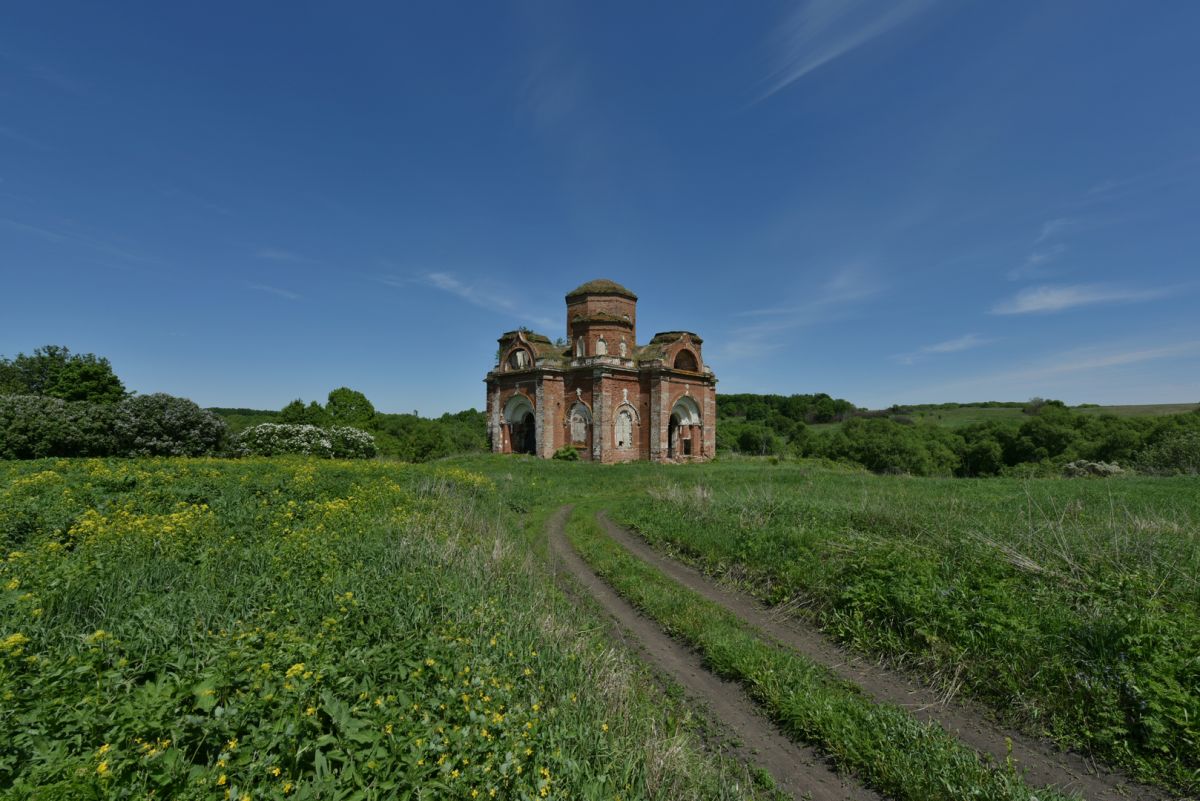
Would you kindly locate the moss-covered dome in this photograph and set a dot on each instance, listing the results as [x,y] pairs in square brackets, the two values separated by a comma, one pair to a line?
[601,286]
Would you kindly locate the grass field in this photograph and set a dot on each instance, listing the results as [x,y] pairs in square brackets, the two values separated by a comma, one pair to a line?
[1070,607]
[307,629]
[302,628]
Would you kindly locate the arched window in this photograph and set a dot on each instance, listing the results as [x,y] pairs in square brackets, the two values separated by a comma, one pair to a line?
[601,347]
[624,430]
[579,348]
[686,360]
[624,348]
[579,420]
[519,359]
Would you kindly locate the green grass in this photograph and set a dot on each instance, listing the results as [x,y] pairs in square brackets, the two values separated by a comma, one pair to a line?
[140,600]
[882,744]
[1071,607]
[309,629]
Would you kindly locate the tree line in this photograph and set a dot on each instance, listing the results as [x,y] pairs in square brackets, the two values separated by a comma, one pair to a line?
[57,403]
[1041,441]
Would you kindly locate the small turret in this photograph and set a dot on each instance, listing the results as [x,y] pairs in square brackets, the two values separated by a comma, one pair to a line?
[602,320]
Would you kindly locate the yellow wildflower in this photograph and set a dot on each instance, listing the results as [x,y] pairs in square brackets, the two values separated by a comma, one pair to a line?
[102,768]
[221,780]
[13,642]
[295,670]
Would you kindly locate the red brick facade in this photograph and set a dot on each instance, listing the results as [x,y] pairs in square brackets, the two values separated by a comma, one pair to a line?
[614,400]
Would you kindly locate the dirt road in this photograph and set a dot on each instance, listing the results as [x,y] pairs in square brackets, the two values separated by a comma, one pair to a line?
[797,770]
[1041,764]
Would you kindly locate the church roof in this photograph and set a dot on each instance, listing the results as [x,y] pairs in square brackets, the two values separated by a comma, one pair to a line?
[601,286]
[671,336]
[602,317]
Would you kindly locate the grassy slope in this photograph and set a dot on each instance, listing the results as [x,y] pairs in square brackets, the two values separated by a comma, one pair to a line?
[1070,606]
[303,629]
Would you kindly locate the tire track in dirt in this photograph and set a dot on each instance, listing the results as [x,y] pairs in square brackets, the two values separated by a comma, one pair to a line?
[1041,763]
[797,770]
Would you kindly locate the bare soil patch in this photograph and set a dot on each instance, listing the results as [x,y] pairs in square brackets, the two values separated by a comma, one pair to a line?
[1040,762]
[797,770]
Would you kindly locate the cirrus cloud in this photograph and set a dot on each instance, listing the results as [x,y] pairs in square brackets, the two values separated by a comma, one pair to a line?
[1044,299]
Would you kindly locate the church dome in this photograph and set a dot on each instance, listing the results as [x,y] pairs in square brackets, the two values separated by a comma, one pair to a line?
[601,286]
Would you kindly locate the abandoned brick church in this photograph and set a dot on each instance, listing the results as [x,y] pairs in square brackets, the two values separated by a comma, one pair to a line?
[612,399]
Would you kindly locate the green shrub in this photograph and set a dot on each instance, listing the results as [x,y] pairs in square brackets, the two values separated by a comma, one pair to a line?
[163,425]
[35,426]
[1177,453]
[567,453]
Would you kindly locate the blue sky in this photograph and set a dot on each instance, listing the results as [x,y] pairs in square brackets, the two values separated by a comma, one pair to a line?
[904,201]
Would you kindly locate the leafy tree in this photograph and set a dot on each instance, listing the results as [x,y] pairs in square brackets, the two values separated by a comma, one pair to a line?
[297,413]
[983,457]
[347,407]
[53,371]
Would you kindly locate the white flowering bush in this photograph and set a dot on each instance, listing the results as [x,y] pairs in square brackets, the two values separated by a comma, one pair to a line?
[351,443]
[277,439]
[163,425]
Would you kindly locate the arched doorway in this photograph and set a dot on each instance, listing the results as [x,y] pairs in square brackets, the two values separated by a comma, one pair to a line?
[525,435]
[522,425]
[684,430]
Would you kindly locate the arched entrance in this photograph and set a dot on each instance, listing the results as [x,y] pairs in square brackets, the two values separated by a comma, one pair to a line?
[525,435]
[522,425]
[684,430]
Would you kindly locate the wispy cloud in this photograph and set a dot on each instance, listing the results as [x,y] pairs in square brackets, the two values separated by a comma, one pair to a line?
[965,342]
[1181,171]
[820,31]
[278,254]
[848,286]
[482,294]
[1041,299]
[1052,228]
[1037,263]
[553,89]
[274,290]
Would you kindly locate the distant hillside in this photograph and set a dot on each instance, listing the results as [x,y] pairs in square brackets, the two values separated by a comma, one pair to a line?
[959,415]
